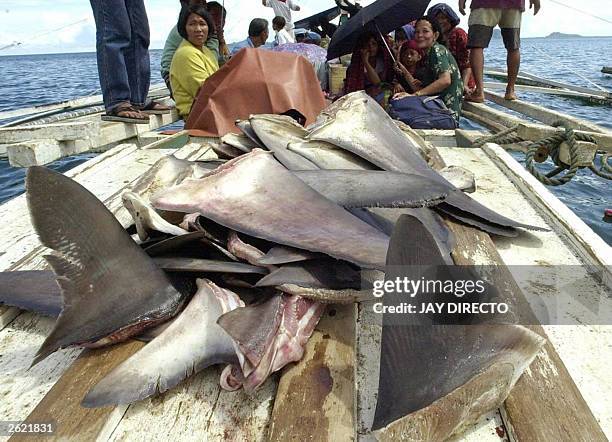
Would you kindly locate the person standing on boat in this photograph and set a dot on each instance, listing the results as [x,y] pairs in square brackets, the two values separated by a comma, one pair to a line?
[455,39]
[174,40]
[122,48]
[283,8]
[440,73]
[193,62]
[258,35]
[282,36]
[484,16]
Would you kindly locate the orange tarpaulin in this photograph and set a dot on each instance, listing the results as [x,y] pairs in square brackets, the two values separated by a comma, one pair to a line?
[255,81]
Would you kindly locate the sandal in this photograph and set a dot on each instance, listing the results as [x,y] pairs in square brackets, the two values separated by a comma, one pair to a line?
[156,108]
[125,113]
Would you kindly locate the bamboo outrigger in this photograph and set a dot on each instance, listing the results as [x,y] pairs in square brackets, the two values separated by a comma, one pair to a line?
[330,393]
[538,84]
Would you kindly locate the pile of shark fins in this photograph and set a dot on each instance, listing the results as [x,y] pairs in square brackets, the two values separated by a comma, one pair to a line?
[233,261]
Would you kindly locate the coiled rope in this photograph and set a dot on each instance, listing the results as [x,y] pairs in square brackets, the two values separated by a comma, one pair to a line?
[552,146]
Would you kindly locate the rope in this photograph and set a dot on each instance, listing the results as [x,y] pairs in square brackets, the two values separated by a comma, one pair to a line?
[551,144]
[499,137]
[605,171]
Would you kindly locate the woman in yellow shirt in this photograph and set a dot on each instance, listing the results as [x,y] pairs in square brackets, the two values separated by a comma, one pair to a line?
[193,62]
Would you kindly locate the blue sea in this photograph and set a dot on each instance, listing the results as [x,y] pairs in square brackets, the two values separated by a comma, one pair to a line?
[40,79]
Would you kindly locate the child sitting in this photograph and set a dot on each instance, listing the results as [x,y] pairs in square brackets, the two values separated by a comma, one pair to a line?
[406,68]
[282,36]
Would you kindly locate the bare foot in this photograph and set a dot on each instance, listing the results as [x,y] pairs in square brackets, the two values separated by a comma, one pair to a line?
[475,98]
[510,95]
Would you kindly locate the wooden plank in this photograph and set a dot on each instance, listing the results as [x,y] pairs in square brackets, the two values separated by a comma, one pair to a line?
[526,130]
[492,85]
[562,413]
[530,255]
[542,114]
[62,404]
[587,243]
[533,80]
[520,79]
[199,409]
[74,130]
[488,112]
[538,131]
[40,153]
[592,247]
[315,397]
[94,100]
[602,92]
[484,121]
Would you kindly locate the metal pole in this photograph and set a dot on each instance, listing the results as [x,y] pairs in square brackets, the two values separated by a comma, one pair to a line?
[385,43]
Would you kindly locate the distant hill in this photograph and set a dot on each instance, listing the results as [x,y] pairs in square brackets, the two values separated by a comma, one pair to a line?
[561,35]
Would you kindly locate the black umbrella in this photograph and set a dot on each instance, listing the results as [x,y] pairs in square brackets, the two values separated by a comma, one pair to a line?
[381,16]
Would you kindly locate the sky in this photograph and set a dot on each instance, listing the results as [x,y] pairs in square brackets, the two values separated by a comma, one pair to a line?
[36,23]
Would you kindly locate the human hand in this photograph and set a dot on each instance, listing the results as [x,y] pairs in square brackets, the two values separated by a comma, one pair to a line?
[365,55]
[399,67]
[462,6]
[397,88]
[535,4]
[401,95]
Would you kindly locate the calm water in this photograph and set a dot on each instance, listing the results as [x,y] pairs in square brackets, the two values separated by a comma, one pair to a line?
[39,79]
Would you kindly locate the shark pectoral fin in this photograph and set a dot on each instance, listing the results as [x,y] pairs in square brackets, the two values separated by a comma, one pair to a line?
[192,342]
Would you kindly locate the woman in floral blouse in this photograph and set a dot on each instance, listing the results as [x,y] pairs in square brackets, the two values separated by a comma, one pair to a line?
[455,39]
[440,74]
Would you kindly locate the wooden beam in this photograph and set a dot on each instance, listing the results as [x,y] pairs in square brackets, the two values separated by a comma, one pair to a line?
[571,87]
[546,388]
[562,412]
[484,121]
[315,399]
[70,104]
[551,91]
[593,249]
[542,114]
[526,130]
[75,130]
[62,404]
[489,113]
[37,153]
[533,80]
[538,131]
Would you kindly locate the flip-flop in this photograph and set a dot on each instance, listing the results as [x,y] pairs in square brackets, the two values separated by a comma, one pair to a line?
[156,108]
[114,115]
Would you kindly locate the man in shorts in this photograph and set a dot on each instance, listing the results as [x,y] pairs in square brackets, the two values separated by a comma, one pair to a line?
[484,16]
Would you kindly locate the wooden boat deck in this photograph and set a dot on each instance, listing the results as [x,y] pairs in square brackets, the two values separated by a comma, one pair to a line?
[197,409]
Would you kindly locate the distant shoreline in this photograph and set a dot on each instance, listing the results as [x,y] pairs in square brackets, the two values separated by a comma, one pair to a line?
[553,36]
